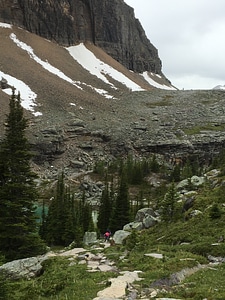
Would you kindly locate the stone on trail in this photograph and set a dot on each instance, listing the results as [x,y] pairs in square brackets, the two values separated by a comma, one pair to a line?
[118,286]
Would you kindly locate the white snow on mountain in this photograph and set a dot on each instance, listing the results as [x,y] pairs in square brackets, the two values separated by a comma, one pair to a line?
[219,87]
[151,81]
[98,68]
[86,59]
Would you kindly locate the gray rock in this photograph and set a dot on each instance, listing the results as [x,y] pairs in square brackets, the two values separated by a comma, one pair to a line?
[90,238]
[120,235]
[24,268]
[149,221]
[142,213]
[77,164]
[111,26]
[133,225]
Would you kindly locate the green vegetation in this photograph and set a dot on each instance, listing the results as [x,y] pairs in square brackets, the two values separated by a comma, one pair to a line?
[185,237]
[163,103]
[67,219]
[18,227]
[60,281]
[207,127]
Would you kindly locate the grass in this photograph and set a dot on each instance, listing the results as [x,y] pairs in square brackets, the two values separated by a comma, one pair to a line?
[60,281]
[205,284]
[184,243]
[164,102]
[206,127]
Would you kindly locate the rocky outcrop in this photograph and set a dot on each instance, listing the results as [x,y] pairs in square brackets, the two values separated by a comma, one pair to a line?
[23,268]
[110,25]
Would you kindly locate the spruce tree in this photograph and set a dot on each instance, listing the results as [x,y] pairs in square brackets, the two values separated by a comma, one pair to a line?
[169,204]
[59,226]
[121,211]
[18,194]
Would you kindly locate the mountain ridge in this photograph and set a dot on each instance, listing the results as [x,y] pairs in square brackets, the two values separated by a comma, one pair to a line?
[79,125]
[111,26]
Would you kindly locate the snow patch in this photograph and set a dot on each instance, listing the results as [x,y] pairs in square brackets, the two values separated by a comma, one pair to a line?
[27,96]
[154,83]
[98,68]
[5,25]
[47,66]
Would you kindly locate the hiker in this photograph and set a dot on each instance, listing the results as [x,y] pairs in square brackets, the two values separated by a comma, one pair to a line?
[107,235]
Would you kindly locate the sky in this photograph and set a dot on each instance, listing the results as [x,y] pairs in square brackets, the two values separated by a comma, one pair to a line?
[189,36]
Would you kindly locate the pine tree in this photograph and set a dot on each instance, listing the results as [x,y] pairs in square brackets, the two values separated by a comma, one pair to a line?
[121,211]
[169,204]
[59,227]
[18,227]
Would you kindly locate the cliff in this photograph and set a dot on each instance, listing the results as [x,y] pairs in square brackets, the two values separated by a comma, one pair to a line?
[110,25]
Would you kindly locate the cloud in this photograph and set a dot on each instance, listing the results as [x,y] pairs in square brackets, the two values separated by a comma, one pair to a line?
[189,37]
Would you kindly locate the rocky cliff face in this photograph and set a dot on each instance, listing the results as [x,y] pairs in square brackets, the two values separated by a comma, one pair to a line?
[108,24]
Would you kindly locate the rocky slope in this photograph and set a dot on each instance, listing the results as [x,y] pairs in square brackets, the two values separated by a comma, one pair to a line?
[78,124]
[111,25]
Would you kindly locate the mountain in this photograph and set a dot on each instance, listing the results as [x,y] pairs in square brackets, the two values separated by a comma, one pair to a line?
[110,25]
[219,87]
[94,89]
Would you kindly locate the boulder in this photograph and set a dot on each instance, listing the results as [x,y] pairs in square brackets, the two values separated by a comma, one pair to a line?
[120,235]
[149,221]
[133,225]
[24,268]
[143,213]
[90,237]
[197,181]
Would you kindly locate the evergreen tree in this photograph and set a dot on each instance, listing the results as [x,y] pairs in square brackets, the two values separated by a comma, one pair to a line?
[187,170]
[60,222]
[215,212]
[54,220]
[18,227]
[67,219]
[121,212]
[176,173]
[169,204]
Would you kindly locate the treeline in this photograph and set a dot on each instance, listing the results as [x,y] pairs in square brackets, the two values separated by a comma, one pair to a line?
[18,194]
[67,219]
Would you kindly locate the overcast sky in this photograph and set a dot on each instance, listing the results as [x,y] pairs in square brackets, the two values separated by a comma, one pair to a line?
[190,38]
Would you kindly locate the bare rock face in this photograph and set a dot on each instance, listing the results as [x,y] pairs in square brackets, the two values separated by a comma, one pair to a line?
[110,25]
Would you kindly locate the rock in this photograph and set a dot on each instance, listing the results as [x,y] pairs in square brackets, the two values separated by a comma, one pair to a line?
[118,286]
[77,122]
[24,268]
[90,238]
[109,25]
[149,221]
[212,173]
[77,164]
[120,235]
[142,213]
[189,202]
[105,268]
[195,212]
[133,225]
[155,255]
[197,181]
